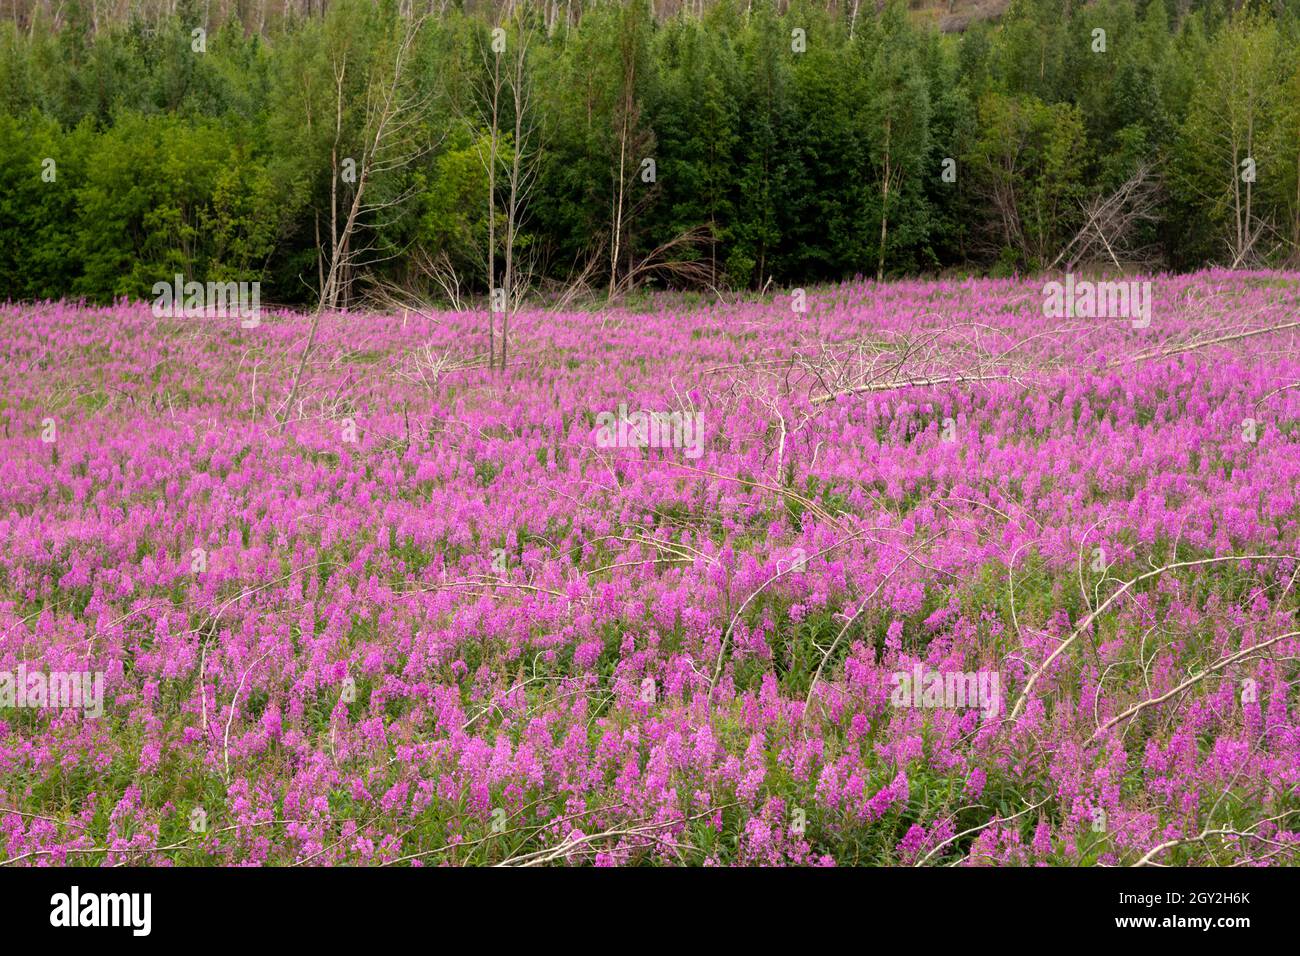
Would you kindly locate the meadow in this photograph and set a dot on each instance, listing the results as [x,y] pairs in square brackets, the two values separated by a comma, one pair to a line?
[429,613]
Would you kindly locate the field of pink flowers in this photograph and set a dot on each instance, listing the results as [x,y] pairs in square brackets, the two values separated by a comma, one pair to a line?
[444,615]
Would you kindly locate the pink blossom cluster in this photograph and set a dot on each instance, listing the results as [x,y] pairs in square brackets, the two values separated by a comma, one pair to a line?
[421,614]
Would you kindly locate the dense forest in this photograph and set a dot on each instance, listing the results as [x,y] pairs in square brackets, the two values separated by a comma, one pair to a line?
[355,150]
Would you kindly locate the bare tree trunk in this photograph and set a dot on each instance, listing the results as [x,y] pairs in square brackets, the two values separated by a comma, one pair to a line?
[628,104]
[1250,151]
[320,259]
[884,207]
[518,184]
[1295,217]
[389,117]
[328,294]
[492,206]
[617,232]
[1239,240]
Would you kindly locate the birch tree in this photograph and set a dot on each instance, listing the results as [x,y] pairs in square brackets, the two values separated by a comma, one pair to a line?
[379,112]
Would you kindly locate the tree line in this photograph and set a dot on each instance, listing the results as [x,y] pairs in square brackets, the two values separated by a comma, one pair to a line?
[360,151]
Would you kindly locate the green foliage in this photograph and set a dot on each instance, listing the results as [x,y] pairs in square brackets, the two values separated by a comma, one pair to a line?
[786,164]
[162,195]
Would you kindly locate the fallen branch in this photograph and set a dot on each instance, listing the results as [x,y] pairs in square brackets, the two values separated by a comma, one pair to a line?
[1194,679]
[1204,343]
[911,383]
[1168,844]
[1042,669]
